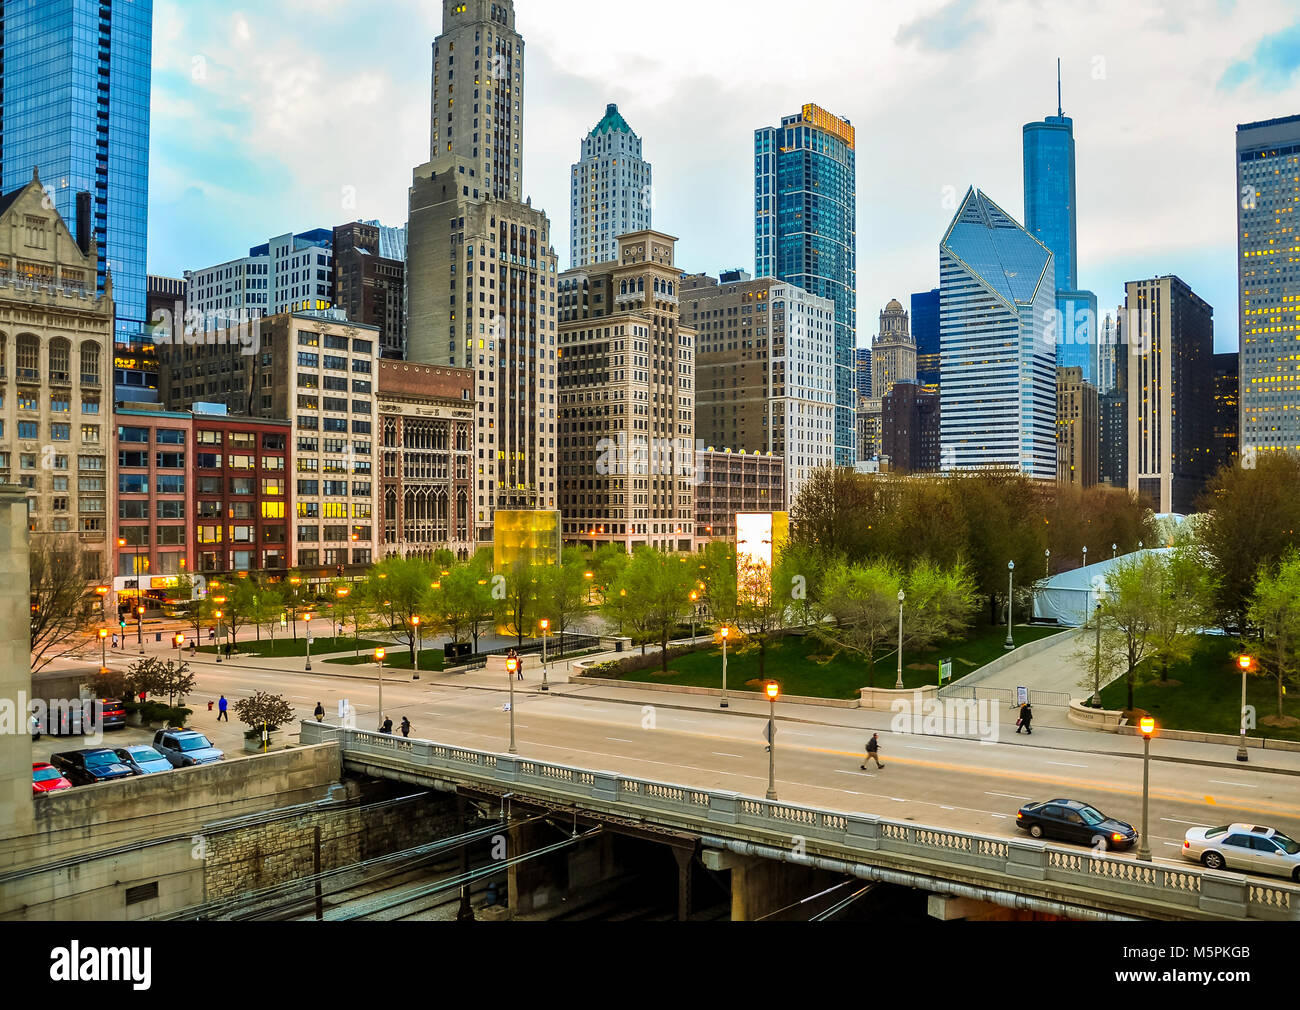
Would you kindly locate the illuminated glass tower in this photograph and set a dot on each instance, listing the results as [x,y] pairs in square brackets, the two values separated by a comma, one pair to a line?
[1051,216]
[75,106]
[805,233]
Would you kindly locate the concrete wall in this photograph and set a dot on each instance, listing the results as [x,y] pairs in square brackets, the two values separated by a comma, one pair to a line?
[15,664]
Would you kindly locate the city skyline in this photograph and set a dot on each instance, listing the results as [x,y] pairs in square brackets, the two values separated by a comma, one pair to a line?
[233,111]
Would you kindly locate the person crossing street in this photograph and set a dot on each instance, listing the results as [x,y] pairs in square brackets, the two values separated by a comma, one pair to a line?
[873,751]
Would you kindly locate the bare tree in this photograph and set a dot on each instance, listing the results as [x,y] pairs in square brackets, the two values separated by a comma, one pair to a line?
[62,608]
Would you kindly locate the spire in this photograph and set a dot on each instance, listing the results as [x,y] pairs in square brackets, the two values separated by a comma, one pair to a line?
[1059,112]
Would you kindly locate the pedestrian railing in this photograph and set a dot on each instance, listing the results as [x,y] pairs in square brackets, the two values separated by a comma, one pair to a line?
[1098,880]
[1003,695]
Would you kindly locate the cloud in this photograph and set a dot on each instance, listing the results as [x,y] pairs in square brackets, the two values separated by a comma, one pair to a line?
[951,27]
[1273,64]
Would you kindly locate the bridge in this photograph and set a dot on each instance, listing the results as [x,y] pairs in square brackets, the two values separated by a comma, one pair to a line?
[962,870]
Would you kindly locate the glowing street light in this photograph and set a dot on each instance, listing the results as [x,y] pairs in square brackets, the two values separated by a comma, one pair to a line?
[379,658]
[1247,665]
[415,621]
[512,666]
[103,648]
[1148,727]
[726,633]
[773,692]
[546,627]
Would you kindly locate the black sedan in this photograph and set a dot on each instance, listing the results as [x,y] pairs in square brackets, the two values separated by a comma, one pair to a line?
[1073,821]
[88,767]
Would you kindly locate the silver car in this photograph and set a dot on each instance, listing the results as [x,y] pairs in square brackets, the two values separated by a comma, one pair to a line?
[1247,848]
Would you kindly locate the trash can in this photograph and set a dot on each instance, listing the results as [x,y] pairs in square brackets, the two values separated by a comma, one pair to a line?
[158,637]
[618,646]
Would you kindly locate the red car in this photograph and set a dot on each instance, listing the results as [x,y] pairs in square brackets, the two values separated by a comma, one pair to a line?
[46,779]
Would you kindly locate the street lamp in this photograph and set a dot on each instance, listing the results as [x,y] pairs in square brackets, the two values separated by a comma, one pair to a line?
[1011,601]
[218,637]
[1148,727]
[1085,557]
[1247,665]
[416,622]
[306,630]
[379,657]
[103,648]
[902,597]
[1048,555]
[726,632]
[342,595]
[1096,681]
[694,613]
[512,666]
[546,627]
[773,692]
[180,641]
[139,627]
[1114,551]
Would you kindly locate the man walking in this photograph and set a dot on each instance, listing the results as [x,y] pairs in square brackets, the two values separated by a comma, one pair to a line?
[320,712]
[222,714]
[873,751]
[1026,719]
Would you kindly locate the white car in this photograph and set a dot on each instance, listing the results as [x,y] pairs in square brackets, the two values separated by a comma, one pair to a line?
[1247,848]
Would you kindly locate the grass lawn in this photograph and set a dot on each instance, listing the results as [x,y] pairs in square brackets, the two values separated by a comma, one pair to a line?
[794,662]
[286,647]
[398,658]
[1205,694]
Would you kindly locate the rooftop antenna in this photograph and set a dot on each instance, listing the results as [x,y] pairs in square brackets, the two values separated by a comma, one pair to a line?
[1059,113]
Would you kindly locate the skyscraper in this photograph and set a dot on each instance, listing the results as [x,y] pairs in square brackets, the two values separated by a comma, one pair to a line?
[611,191]
[925,331]
[805,233]
[1078,429]
[370,280]
[893,354]
[1051,216]
[481,271]
[1171,452]
[863,387]
[74,103]
[1227,409]
[1268,165]
[999,365]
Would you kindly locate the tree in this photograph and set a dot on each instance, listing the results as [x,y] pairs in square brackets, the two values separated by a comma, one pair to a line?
[62,611]
[1275,610]
[765,598]
[829,511]
[171,677]
[1128,614]
[940,603]
[517,606]
[266,604]
[562,592]
[1254,521]
[607,565]
[862,601]
[1184,606]
[396,590]
[659,588]
[269,710]
[717,571]
[460,600]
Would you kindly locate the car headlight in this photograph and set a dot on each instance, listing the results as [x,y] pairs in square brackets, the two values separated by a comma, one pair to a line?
[1117,838]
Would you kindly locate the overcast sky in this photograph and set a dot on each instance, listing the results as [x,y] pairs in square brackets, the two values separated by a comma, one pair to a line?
[309,113]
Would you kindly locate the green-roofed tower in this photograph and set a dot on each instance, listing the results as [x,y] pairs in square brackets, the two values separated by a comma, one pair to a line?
[612,192]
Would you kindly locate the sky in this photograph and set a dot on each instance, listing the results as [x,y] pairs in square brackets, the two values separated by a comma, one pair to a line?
[311,113]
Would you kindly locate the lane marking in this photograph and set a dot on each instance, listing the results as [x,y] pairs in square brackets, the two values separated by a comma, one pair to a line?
[718,753]
[912,746]
[1235,785]
[618,739]
[1009,796]
[1175,820]
[1064,764]
[1001,817]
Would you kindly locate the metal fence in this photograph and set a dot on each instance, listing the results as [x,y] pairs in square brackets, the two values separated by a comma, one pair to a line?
[1004,695]
[1121,884]
[557,647]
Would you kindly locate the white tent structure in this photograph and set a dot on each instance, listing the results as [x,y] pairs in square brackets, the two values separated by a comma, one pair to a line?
[1070,598]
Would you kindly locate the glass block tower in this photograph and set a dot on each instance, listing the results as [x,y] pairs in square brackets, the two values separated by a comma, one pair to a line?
[805,233]
[74,104]
[1268,167]
[999,365]
[611,191]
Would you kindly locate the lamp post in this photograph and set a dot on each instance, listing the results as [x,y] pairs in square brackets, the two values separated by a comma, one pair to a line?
[1246,665]
[306,630]
[415,621]
[103,648]
[901,598]
[218,636]
[1011,602]
[342,595]
[694,600]
[139,627]
[725,633]
[1096,679]
[773,692]
[379,658]
[512,666]
[1114,551]
[180,641]
[1085,557]
[295,582]
[546,683]
[1048,555]
[1148,727]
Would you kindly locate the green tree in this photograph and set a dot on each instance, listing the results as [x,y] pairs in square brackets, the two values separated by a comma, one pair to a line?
[171,677]
[516,598]
[606,566]
[396,590]
[941,602]
[269,710]
[1184,597]
[1129,613]
[862,601]
[1275,610]
[660,586]
[562,592]
[716,568]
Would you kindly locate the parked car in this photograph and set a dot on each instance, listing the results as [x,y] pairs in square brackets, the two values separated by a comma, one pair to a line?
[114,715]
[142,759]
[46,779]
[1077,822]
[87,767]
[1247,848]
[186,748]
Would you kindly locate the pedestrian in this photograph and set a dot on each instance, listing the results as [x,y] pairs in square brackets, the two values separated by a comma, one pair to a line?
[519,668]
[142,695]
[320,712]
[1026,720]
[212,634]
[222,714]
[406,726]
[194,647]
[114,641]
[227,650]
[387,727]
[873,751]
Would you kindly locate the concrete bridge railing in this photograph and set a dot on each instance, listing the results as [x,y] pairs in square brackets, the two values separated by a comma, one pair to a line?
[1120,884]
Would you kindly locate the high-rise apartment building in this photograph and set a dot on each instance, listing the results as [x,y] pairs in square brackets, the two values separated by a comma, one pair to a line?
[893,354]
[426,419]
[370,280]
[1227,409]
[1051,216]
[871,431]
[805,233]
[999,362]
[1268,185]
[481,271]
[56,397]
[925,331]
[863,387]
[910,429]
[729,484]
[1078,429]
[764,370]
[627,401]
[1170,333]
[611,191]
[74,104]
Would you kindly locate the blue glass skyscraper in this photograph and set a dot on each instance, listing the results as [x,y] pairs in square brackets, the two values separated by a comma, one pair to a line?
[1051,216]
[805,233]
[925,331]
[74,105]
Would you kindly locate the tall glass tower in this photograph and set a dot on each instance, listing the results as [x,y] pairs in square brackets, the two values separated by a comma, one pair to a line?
[805,233]
[74,104]
[1051,216]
